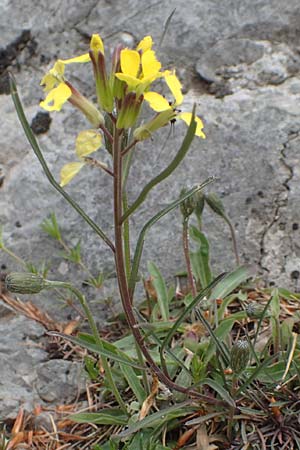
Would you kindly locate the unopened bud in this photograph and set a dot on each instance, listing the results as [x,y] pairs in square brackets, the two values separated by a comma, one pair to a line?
[215,203]
[24,283]
[103,88]
[117,86]
[255,311]
[240,355]
[199,201]
[129,111]
[187,206]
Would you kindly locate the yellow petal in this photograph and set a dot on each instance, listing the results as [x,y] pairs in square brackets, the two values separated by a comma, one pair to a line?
[87,142]
[54,76]
[174,86]
[56,98]
[96,44]
[78,59]
[156,101]
[151,66]
[131,81]
[69,171]
[58,69]
[145,44]
[187,117]
[130,62]
[49,81]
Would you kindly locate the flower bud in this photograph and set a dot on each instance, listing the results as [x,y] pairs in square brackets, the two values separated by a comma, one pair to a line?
[117,86]
[215,203]
[104,94]
[240,355]
[199,203]
[254,311]
[130,110]
[187,206]
[24,283]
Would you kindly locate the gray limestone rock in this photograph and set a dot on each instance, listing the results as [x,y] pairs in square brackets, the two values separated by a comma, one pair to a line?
[60,381]
[239,61]
[27,377]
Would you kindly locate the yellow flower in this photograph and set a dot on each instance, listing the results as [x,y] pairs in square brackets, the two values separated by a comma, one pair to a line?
[87,142]
[159,103]
[139,67]
[58,90]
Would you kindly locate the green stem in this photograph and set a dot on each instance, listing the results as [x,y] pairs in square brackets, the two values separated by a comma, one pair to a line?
[185,240]
[150,223]
[232,408]
[33,142]
[13,255]
[121,275]
[92,323]
[129,147]
[167,171]
[234,241]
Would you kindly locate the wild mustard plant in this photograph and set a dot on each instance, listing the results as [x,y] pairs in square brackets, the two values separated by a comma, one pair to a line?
[115,125]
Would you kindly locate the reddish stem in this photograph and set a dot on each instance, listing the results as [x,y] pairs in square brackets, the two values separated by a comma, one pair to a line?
[122,280]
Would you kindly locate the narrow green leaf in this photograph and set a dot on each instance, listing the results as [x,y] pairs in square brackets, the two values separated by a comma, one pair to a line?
[275,304]
[184,314]
[230,282]
[133,382]
[161,290]
[164,415]
[220,390]
[202,419]
[200,258]
[224,305]
[266,373]
[217,337]
[108,350]
[35,147]
[150,223]
[111,416]
[219,334]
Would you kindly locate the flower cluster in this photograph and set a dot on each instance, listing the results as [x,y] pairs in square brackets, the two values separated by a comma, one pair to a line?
[120,94]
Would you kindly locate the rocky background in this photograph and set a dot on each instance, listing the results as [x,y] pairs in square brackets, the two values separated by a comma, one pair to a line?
[239,61]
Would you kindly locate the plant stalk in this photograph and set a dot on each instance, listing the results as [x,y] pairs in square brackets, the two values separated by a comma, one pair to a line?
[186,249]
[122,280]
